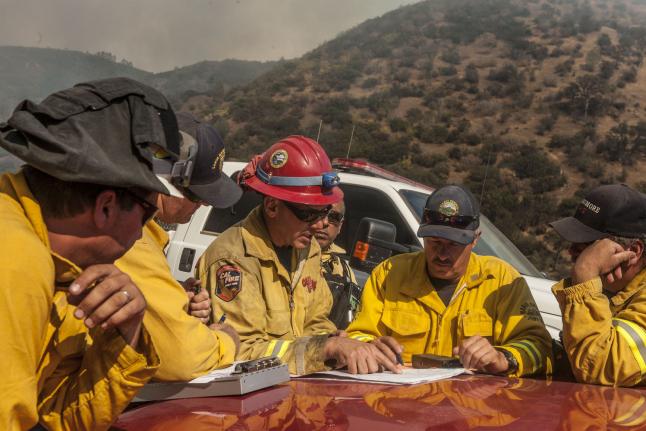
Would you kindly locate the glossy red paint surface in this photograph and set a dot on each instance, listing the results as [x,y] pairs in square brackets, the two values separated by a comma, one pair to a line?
[467,402]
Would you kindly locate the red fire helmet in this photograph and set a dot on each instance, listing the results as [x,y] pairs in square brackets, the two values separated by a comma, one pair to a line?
[295,169]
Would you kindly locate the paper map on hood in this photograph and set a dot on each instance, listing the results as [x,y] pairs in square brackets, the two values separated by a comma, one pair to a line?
[409,376]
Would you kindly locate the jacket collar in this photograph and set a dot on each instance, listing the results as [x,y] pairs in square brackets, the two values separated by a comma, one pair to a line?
[473,277]
[156,232]
[331,251]
[637,284]
[257,241]
[15,185]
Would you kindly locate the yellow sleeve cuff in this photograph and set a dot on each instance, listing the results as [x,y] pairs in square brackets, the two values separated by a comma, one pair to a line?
[362,337]
[227,348]
[563,291]
[135,367]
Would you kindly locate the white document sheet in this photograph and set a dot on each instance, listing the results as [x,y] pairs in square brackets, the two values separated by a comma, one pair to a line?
[216,374]
[410,376]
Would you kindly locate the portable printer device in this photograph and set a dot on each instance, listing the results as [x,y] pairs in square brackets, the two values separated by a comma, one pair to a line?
[240,378]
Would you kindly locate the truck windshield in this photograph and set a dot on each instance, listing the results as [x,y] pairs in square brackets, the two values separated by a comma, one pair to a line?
[491,243]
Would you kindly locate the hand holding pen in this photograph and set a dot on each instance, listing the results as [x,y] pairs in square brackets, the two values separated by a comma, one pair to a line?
[199,305]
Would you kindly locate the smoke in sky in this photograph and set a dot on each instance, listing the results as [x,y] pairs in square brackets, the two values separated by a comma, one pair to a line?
[159,35]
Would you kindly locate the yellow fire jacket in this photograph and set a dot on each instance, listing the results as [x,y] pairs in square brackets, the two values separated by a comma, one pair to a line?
[275,311]
[55,371]
[491,300]
[605,339]
[187,348]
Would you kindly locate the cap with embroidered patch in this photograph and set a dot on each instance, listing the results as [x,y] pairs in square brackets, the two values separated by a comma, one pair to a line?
[452,213]
[609,210]
[198,174]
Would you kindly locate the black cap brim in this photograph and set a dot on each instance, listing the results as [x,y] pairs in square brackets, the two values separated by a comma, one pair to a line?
[572,230]
[460,236]
[222,193]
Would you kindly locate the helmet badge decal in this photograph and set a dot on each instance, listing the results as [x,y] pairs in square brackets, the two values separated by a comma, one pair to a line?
[448,208]
[278,159]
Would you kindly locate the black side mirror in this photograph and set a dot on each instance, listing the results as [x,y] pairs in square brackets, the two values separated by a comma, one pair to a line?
[374,242]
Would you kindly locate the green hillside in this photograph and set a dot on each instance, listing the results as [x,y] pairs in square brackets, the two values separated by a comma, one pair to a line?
[33,73]
[208,77]
[529,102]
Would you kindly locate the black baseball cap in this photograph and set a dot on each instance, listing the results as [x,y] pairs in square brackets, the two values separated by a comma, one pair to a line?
[200,173]
[452,213]
[100,132]
[609,210]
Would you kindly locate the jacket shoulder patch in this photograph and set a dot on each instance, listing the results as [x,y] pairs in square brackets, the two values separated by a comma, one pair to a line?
[229,282]
[530,310]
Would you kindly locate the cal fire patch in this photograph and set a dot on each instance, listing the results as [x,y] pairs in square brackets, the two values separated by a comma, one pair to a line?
[309,284]
[229,282]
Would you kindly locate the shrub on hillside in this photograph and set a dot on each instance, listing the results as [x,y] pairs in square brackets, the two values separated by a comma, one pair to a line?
[398,125]
[471,74]
[435,134]
[505,74]
[545,124]
[564,68]
[448,71]
[370,83]
[586,96]
[624,143]
[530,162]
[451,56]
[334,112]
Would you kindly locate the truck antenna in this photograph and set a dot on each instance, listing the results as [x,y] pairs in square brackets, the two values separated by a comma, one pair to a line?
[347,156]
[484,181]
[318,135]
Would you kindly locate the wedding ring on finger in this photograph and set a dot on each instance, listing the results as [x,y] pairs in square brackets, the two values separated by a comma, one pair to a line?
[128,297]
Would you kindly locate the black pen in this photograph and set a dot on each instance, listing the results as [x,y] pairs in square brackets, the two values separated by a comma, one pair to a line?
[399,358]
[222,319]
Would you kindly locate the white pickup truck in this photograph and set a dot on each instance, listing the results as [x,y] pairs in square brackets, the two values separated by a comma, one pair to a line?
[369,192]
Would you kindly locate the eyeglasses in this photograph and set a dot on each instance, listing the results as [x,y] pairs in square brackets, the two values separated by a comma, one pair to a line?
[335,217]
[437,218]
[308,214]
[149,208]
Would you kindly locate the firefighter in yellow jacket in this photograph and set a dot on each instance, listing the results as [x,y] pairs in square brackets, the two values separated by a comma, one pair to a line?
[603,303]
[73,357]
[186,347]
[448,301]
[264,273]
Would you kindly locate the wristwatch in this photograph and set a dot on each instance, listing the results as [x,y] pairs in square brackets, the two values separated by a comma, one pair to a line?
[511,361]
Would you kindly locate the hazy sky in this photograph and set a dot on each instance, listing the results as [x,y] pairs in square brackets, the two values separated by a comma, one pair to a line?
[158,35]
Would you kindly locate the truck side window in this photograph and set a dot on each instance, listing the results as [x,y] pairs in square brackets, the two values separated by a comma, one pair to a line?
[363,202]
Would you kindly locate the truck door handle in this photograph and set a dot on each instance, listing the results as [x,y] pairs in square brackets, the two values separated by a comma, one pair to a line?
[186,260]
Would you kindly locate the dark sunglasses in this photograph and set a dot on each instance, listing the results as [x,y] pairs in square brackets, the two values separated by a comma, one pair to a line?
[149,208]
[335,217]
[308,214]
[437,218]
